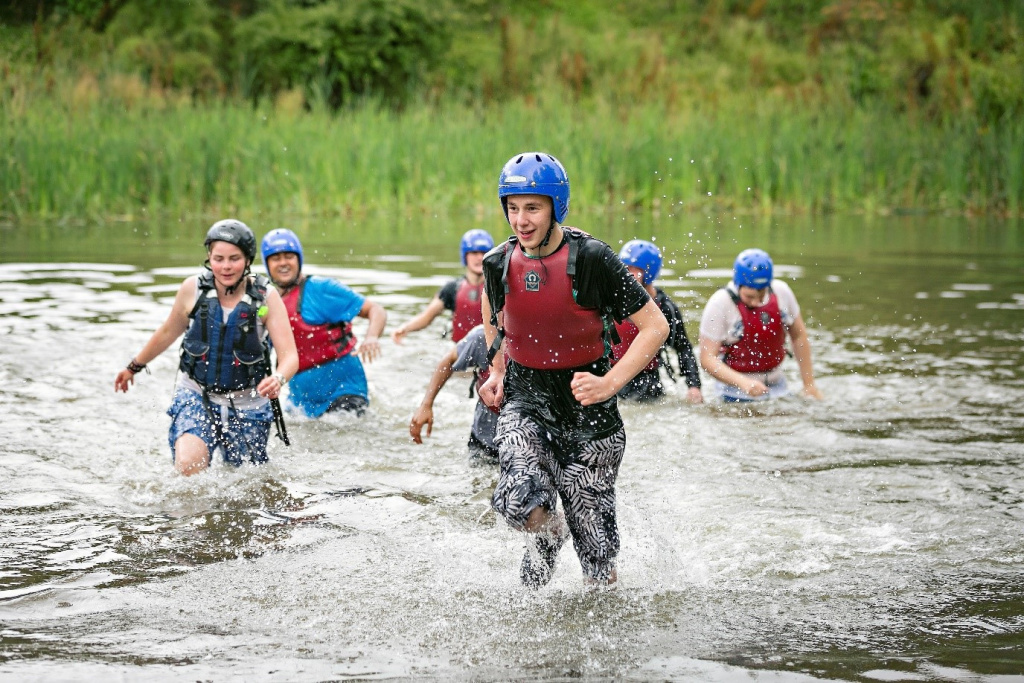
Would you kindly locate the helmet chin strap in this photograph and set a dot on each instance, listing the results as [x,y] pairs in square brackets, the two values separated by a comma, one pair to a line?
[231,289]
[547,237]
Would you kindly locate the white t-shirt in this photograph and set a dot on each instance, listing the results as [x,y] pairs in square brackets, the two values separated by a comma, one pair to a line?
[721,321]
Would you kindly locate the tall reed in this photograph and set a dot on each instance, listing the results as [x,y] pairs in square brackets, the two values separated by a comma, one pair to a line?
[104,159]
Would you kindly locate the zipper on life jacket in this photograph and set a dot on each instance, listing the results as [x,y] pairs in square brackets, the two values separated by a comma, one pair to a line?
[220,355]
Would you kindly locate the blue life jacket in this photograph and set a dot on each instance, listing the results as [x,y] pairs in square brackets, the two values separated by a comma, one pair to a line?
[226,356]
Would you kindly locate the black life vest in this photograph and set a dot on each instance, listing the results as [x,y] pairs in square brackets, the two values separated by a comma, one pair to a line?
[223,356]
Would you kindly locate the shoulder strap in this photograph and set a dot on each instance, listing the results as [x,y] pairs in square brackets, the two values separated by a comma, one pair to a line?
[512,242]
[204,285]
[572,236]
[259,285]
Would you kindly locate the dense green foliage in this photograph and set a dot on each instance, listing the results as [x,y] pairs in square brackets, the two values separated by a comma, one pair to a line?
[115,106]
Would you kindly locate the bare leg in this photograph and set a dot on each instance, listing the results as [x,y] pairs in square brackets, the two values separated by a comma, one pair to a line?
[190,455]
[541,521]
[594,583]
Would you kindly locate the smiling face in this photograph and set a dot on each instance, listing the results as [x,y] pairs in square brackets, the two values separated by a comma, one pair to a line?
[529,215]
[283,268]
[227,262]
[475,262]
[751,297]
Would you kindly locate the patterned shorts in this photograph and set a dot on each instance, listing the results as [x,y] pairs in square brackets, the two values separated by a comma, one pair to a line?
[531,475]
[243,433]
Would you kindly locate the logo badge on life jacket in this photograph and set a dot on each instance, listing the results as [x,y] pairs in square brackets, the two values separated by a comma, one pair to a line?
[473,295]
[766,319]
[532,280]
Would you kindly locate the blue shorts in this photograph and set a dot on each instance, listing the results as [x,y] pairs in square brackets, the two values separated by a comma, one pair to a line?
[243,433]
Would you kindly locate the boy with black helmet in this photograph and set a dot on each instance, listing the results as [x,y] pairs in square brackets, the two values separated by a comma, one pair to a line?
[461,296]
[551,293]
[743,333]
[222,401]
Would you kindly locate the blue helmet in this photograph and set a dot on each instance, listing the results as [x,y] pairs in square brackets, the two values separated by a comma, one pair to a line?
[535,173]
[643,255]
[753,268]
[476,240]
[281,240]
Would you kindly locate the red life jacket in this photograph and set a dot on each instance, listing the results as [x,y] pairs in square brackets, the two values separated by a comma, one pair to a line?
[467,313]
[316,344]
[544,326]
[763,344]
[627,333]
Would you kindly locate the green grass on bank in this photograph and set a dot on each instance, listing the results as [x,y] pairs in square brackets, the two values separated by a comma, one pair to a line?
[105,159]
[749,106]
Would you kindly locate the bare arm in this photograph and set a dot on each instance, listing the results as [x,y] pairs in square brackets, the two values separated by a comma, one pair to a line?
[369,350]
[711,361]
[802,351]
[492,393]
[424,415]
[589,389]
[165,335]
[424,318]
[280,331]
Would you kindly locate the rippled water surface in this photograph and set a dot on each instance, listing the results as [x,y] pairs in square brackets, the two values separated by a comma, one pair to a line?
[874,536]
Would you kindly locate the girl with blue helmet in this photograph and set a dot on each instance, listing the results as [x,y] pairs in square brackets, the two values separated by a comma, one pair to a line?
[744,329]
[222,401]
[550,293]
[643,260]
[461,296]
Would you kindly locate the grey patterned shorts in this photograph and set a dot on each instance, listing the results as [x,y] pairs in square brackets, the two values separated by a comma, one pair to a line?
[531,475]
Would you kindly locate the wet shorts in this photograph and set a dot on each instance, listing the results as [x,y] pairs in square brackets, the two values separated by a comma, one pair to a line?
[480,453]
[349,403]
[243,433]
[530,475]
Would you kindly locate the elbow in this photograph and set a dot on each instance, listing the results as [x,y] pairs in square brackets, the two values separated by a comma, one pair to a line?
[662,331]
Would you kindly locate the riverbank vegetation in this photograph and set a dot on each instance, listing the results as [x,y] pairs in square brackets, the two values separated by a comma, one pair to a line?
[139,107]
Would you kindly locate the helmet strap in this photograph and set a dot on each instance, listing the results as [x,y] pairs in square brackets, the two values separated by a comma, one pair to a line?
[231,289]
[547,237]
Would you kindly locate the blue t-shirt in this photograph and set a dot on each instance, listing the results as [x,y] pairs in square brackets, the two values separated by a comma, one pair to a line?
[314,390]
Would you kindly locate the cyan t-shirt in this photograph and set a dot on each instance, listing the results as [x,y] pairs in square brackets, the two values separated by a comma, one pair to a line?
[314,390]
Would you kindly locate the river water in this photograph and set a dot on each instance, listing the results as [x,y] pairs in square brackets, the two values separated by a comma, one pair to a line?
[876,535]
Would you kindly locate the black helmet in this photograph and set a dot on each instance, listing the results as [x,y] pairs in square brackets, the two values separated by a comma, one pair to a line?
[233,232]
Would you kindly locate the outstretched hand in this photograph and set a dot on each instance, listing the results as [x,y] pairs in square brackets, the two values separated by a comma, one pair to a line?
[813,392]
[124,379]
[422,416]
[369,349]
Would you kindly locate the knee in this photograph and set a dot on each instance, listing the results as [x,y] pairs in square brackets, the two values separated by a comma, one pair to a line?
[190,464]
[190,455]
